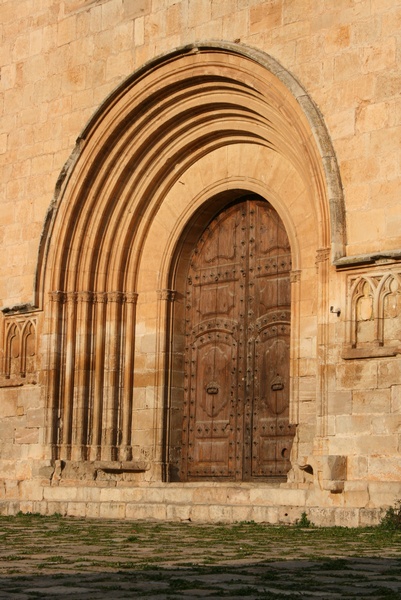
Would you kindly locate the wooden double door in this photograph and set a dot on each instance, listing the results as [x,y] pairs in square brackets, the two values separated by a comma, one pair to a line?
[237,327]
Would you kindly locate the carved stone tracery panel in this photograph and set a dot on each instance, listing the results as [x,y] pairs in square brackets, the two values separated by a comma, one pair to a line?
[19,349]
[373,314]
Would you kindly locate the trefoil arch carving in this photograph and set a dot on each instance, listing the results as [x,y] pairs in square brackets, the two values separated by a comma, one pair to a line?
[373,314]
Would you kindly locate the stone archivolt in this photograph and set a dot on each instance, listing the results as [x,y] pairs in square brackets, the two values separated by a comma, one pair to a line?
[180,139]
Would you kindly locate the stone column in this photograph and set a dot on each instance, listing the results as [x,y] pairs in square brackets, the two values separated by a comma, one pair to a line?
[128,375]
[112,376]
[295,278]
[83,361]
[164,369]
[67,399]
[55,333]
[323,311]
[99,325]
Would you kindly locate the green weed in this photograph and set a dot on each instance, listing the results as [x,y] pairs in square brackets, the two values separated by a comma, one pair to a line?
[303,522]
[392,518]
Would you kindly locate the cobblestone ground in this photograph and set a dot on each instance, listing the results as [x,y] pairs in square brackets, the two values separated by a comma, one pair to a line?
[56,557]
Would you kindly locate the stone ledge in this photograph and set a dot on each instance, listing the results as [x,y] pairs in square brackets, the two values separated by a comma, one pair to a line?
[198,513]
[376,258]
[372,352]
[122,466]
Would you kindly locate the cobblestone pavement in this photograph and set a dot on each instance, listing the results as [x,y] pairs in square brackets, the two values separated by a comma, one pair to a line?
[55,557]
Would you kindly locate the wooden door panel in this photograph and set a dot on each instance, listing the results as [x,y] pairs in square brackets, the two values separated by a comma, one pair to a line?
[221,244]
[237,350]
[216,300]
[271,452]
[210,455]
[270,234]
[213,375]
[273,292]
[272,433]
[209,425]
[272,382]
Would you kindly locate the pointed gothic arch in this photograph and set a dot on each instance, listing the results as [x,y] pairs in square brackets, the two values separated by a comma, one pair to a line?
[200,123]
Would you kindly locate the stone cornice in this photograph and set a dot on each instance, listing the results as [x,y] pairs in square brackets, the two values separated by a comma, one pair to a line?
[366,260]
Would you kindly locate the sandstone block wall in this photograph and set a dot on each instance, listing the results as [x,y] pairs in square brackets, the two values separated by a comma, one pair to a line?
[60,59]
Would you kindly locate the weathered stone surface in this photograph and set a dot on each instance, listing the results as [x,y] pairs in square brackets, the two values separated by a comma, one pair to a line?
[92,364]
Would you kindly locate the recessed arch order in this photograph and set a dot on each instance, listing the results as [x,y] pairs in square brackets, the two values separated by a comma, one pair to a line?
[205,122]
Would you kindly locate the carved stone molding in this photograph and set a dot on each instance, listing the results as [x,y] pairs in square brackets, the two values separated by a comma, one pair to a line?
[131,297]
[19,349]
[295,276]
[168,295]
[85,296]
[117,297]
[373,314]
[322,255]
[93,297]
[94,362]
[367,260]
[71,297]
[100,297]
[57,296]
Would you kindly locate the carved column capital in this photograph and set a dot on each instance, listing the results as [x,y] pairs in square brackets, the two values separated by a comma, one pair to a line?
[71,297]
[117,297]
[85,296]
[295,276]
[57,296]
[322,255]
[168,295]
[100,297]
[131,297]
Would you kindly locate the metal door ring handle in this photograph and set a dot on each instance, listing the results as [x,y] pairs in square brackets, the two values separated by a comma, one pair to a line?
[212,389]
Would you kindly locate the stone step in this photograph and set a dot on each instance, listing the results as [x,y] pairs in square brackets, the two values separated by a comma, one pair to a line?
[196,502]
